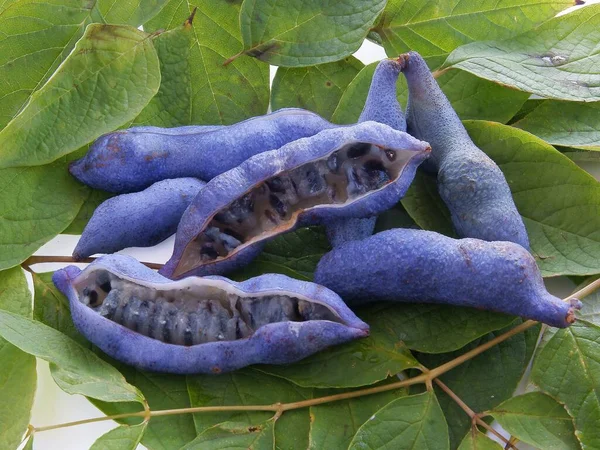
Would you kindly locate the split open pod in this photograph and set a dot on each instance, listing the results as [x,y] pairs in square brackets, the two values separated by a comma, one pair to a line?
[355,171]
[202,325]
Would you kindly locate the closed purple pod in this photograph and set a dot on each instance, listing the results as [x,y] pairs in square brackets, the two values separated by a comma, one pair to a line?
[131,160]
[355,171]
[469,182]
[404,265]
[381,106]
[202,325]
[139,219]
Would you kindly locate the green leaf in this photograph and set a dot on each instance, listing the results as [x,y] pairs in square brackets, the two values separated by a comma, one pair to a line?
[129,12]
[396,217]
[38,203]
[172,105]
[75,369]
[235,436]
[36,37]
[590,311]
[435,28]
[555,60]
[195,79]
[357,363]
[538,420]
[470,96]
[559,202]
[352,101]
[303,33]
[568,369]
[108,78]
[475,98]
[425,206]
[578,127]
[484,381]
[410,422]
[333,425]
[123,437]
[51,308]
[476,440]
[17,369]
[293,254]
[431,328]
[94,198]
[249,387]
[316,88]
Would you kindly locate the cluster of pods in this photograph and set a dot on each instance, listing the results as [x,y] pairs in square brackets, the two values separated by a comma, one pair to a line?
[226,190]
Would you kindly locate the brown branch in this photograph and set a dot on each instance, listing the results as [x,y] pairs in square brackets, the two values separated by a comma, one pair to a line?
[475,418]
[69,259]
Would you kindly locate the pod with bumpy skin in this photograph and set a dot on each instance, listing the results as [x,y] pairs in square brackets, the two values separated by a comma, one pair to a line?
[405,265]
[381,106]
[470,183]
[355,171]
[202,325]
[131,160]
[140,219]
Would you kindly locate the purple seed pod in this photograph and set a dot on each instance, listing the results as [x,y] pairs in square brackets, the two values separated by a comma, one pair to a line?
[381,106]
[202,325]
[131,160]
[469,182]
[355,171]
[140,219]
[405,265]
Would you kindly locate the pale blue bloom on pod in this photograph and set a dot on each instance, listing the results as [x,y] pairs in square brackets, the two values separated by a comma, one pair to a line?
[404,265]
[202,325]
[140,219]
[470,183]
[381,106]
[356,171]
[131,160]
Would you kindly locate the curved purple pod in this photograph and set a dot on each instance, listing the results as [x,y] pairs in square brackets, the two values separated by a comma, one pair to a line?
[381,106]
[406,265]
[355,171]
[140,219]
[469,182]
[131,160]
[202,325]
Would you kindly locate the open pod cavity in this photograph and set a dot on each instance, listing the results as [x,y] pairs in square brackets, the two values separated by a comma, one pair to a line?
[202,325]
[356,171]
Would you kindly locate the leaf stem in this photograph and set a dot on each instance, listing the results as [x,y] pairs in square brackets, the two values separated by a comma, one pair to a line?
[69,259]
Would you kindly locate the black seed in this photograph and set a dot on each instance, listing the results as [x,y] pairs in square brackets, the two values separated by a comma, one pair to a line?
[169,325]
[153,325]
[207,250]
[374,166]
[314,180]
[358,150]
[332,162]
[276,185]
[94,298]
[391,154]
[278,205]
